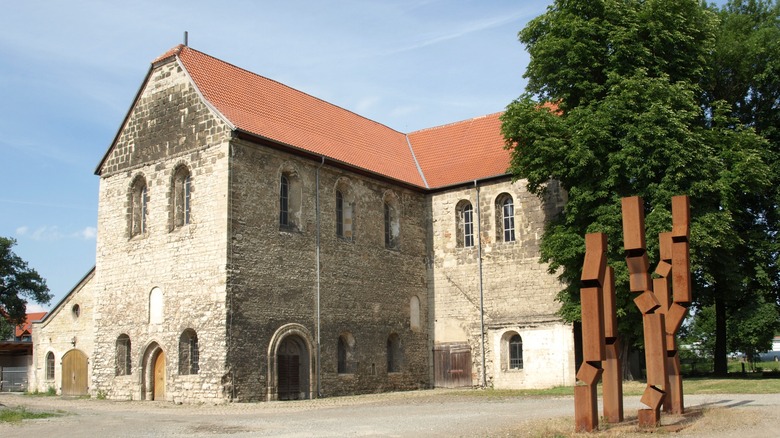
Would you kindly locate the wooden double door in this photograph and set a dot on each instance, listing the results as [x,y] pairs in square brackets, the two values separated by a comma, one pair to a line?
[74,374]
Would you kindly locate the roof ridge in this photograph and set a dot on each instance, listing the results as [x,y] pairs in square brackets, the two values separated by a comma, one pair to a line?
[484,116]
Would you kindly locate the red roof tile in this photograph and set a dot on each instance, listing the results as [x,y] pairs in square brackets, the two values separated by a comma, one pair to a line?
[27,326]
[447,155]
[461,151]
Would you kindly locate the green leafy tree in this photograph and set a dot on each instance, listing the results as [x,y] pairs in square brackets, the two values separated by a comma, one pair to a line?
[746,65]
[18,282]
[630,115]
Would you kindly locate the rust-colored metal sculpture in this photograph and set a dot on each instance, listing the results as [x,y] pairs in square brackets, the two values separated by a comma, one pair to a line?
[647,302]
[677,249]
[612,379]
[663,304]
[663,310]
[594,272]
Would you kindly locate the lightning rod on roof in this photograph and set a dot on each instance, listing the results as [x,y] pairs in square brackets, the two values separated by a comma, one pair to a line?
[185,37]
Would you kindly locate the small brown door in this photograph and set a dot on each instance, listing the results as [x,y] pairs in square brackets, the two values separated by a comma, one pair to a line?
[159,377]
[74,373]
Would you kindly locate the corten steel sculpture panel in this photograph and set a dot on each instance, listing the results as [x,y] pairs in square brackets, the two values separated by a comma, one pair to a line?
[594,272]
[612,379]
[662,310]
[675,252]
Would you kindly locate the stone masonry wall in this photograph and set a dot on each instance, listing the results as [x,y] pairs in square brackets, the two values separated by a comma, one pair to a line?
[168,126]
[519,294]
[365,289]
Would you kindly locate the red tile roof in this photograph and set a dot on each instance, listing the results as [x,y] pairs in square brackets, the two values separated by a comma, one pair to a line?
[447,155]
[461,151]
[26,328]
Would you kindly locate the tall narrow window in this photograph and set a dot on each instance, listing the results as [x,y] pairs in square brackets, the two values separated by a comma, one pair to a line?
[505,218]
[284,201]
[509,220]
[156,306]
[414,313]
[393,354]
[468,226]
[180,198]
[392,224]
[138,206]
[188,352]
[123,358]
[516,353]
[345,210]
[339,214]
[50,366]
[388,234]
[342,356]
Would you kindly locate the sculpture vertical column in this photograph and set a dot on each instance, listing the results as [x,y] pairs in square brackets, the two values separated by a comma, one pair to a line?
[593,341]
[682,295]
[612,379]
[647,302]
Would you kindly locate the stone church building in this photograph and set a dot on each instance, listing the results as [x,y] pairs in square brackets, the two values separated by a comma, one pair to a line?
[257,243]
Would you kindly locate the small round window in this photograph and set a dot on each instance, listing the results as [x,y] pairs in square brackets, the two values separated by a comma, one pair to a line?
[75,310]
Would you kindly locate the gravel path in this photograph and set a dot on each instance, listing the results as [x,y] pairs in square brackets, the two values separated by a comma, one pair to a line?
[434,413]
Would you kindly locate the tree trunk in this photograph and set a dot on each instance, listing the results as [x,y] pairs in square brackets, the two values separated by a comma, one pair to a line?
[721,360]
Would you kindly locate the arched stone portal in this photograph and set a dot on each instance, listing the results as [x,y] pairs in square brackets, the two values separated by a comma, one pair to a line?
[291,364]
[153,373]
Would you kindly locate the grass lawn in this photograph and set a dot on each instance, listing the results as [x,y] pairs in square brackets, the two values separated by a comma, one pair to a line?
[15,415]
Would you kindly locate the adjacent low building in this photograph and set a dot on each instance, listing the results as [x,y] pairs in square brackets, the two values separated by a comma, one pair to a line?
[257,243]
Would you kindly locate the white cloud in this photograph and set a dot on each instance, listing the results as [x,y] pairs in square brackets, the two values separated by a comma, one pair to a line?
[88,233]
[35,307]
[47,233]
[21,231]
[365,104]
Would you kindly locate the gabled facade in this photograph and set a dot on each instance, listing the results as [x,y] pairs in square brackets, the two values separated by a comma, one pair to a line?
[257,243]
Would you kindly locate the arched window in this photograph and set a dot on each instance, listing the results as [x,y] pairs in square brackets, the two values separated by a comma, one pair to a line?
[289,199]
[180,197]
[346,353]
[414,313]
[392,223]
[138,206]
[188,352]
[465,223]
[284,201]
[393,354]
[156,306]
[505,218]
[123,361]
[50,366]
[345,210]
[516,352]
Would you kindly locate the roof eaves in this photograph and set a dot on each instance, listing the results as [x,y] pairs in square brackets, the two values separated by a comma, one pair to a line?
[257,138]
[468,182]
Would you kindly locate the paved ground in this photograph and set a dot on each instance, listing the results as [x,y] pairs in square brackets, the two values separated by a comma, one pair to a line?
[435,413]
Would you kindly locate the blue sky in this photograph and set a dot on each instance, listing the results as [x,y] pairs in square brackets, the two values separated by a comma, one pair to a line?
[70,69]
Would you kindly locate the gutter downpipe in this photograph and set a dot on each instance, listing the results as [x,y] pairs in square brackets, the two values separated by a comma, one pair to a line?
[317,262]
[481,289]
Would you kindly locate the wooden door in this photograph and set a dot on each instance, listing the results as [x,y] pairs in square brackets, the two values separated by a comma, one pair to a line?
[74,373]
[289,377]
[159,377]
[452,365]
